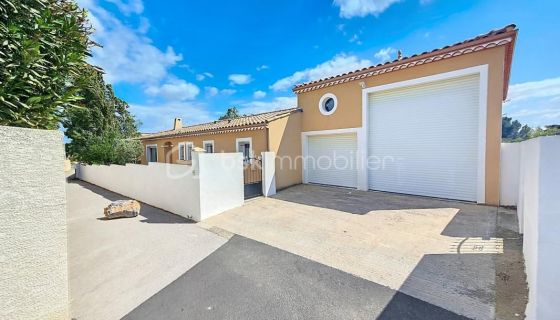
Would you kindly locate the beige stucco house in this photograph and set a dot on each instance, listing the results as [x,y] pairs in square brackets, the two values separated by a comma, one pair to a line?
[428,124]
[277,131]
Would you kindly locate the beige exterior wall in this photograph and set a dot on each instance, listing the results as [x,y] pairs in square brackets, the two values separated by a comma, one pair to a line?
[349,110]
[223,142]
[285,141]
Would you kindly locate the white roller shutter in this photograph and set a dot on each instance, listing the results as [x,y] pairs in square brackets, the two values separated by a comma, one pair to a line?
[425,138]
[331,159]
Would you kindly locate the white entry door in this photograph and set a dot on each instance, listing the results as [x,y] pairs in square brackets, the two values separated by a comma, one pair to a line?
[331,159]
[426,139]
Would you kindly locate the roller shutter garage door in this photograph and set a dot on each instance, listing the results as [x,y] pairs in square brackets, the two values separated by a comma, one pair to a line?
[331,160]
[425,139]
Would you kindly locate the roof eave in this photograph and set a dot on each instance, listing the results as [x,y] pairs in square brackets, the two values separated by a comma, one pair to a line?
[204,132]
[508,34]
[508,62]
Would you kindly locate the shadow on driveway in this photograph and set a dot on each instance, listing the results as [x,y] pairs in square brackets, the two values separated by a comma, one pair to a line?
[246,279]
[148,213]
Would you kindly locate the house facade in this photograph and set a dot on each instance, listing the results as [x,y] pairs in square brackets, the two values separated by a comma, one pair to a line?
[428,124]
[276,131]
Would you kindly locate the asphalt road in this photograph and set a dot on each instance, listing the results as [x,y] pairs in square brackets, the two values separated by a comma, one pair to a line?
[245,279]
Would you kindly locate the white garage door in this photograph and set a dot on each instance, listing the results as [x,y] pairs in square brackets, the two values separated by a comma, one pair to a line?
[331,159]
[425,138]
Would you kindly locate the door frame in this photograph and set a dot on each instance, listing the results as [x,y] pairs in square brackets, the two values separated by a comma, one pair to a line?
[305,148]
[482,71]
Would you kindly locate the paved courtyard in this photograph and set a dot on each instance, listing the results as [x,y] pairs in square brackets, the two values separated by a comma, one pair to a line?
[115,265]
[463,257]
[310,252]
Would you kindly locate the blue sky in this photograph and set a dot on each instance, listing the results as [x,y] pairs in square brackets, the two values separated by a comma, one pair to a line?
[194,59]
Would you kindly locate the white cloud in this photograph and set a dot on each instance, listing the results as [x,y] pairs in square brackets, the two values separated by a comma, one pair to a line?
[239,78]
[263,106]
[128,7]
[341,63]
[204,75]
[362,8]
[262,67]
[174,90]
[228,92]
[534,89]
[536,103]
[144,25]
[160,117]
[355,39]
[385,54]
[213,91]
[127,54]
[259,94]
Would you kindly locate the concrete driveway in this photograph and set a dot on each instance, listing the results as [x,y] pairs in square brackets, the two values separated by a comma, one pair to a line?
[461,257]
[310,252]
[115,265]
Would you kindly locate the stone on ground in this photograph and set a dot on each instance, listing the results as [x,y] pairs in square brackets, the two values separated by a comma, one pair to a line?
[122,209]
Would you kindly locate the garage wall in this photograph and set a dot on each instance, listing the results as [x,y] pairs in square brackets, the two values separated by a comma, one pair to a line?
[285,140]
[349,110]
[33,230]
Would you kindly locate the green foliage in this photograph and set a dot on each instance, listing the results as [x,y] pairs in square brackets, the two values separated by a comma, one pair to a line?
[231,113]
[513,131]
[102,130]
[551,130]
[43,47]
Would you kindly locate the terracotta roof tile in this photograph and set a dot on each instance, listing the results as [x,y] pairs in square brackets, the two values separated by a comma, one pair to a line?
[250,122]
[477,43]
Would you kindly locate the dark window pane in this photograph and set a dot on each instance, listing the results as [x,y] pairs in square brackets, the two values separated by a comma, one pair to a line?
[329,104]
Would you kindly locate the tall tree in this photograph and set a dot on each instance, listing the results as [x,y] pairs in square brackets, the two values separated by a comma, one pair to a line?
[43,48]
[513,130]
[102,130]
[231,113]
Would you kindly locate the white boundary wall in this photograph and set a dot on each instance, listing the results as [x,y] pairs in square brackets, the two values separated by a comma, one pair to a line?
[213,184]
[538,208]
[509,173]
[33,230]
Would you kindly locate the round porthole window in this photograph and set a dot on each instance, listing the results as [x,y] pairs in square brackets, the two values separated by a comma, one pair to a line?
[327,104]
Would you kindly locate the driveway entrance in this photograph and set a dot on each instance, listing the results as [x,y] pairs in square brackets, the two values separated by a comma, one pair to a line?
[459,256]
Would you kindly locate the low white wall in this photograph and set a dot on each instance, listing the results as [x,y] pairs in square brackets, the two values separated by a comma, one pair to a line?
[509,173]
[173,187]
[212,185]
[220,190]
[539,215]
[33,232]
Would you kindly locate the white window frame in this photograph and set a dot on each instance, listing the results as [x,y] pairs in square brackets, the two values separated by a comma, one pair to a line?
[182,155]
[482,71]
[187,145]
[323,99]
[147,153]
[211,142]
[248,139]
